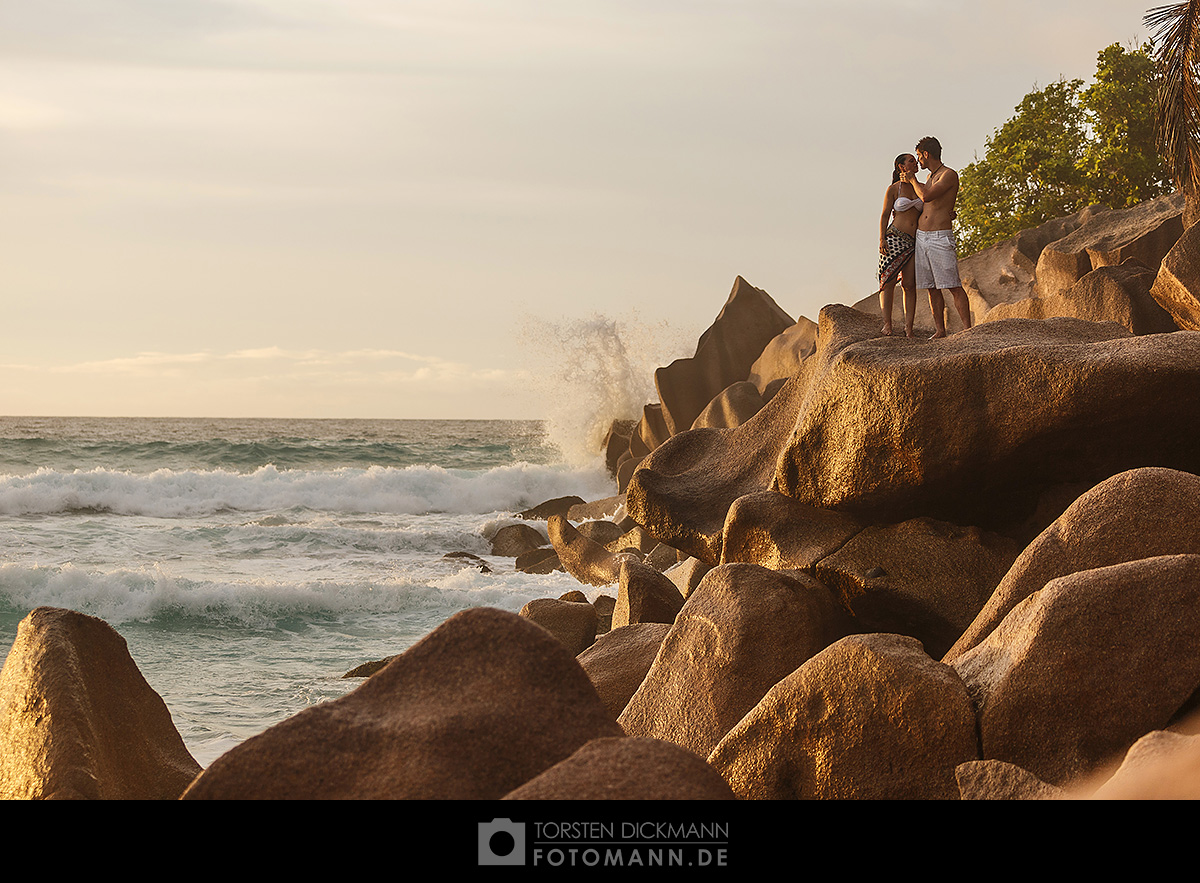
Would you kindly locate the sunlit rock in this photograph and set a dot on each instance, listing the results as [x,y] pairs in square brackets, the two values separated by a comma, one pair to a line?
[645,595]
[740,632]
[733,406]
[1137,514]
[78,720]
[618,662]
[999,780]
[1081,669]
[628,768]
[480,706]
[870,717]
[1177,287]
[572,622]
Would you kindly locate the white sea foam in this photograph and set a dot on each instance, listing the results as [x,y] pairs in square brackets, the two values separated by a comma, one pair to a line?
[597,370]
[166,493]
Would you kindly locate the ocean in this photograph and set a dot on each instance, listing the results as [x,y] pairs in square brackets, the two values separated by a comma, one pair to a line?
[249,564]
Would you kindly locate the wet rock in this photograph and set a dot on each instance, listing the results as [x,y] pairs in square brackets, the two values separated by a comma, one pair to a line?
[870,717]
[557,506]
[539,561]
[627,769]
[479,707]
[517,539]
[470,558]
[78,720]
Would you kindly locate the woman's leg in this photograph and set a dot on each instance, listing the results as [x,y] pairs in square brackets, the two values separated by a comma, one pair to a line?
[908,281]
[886,296]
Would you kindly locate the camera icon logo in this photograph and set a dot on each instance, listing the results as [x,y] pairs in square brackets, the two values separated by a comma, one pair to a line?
[501,842]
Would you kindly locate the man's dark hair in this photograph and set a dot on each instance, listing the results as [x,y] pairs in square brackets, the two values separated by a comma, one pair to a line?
[930,145]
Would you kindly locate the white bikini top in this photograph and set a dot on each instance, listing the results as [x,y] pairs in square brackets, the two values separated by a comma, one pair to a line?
[903,204]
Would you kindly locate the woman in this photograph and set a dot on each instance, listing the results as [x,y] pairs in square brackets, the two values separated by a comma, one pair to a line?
[897,242]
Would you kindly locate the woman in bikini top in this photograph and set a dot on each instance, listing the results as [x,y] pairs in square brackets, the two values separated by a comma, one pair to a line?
[897,238]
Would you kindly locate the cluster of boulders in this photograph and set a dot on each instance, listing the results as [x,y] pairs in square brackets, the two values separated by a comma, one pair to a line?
[845,565]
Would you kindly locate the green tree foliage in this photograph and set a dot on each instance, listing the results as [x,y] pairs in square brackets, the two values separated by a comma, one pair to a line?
[1067,147]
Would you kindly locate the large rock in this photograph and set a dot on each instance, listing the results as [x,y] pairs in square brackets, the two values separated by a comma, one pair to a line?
[724,354]
[739,633]
[1145,232]
[870,717]
[573,622]
[1137,514]
[515,540]
[645,595]
[628,768]
[1177,287]
[923,578]
[1159,766]
[1081,669]
[733,406]
[474,710]
[587,561]
[972,429]
[1118,294]
[999,780]
[783,356]
[777,532]
[1004,272]
[618,662]
[78,720]
[652,431]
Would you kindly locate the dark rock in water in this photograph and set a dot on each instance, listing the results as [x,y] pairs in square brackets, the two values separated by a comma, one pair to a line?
[539,561]
[740,632]
[572,622]
[749,321]
[517,539]
[597,509]
[1081,669]
[618,662]
[602,532]
[474,710]
[557,506]
[627,769]
[998,780]
[78,720]
[574,595]
[870,717]
[474,559]
[368,668]
[1138,514]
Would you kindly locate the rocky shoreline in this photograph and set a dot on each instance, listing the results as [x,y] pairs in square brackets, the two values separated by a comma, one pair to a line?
[846,566]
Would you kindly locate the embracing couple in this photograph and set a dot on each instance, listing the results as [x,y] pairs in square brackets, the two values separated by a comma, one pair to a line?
[917,246]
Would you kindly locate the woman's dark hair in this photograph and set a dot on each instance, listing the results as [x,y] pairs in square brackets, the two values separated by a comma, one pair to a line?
[899,161]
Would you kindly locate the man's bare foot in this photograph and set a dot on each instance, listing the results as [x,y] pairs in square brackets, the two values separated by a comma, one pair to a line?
[938,334]
[908,332]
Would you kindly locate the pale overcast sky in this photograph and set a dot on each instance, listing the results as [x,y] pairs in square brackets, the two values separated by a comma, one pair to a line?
[443,208]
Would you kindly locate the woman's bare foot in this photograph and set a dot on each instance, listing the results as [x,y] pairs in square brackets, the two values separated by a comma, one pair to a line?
[908,332]
[887,331]
[938,334]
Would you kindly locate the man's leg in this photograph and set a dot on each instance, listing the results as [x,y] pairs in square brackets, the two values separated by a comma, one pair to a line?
[937,306]
[962,304]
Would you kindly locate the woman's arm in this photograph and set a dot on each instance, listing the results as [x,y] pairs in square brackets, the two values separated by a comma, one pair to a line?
[889,199]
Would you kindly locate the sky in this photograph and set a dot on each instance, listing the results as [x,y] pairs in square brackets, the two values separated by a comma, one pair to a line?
[460,208]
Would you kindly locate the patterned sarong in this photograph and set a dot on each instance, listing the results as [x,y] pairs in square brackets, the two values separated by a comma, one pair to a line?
[900,247]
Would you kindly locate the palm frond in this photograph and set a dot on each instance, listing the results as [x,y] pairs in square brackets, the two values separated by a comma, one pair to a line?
[1175,34]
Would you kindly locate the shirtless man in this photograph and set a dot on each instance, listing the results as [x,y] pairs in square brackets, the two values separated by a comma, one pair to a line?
[936,258]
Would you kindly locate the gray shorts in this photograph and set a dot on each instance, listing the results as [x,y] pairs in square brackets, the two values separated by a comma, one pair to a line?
[936,260]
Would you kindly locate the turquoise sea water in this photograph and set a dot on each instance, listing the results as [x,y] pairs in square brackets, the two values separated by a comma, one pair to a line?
[250,563]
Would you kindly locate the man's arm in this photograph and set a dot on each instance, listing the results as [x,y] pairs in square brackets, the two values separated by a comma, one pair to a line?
[944,185]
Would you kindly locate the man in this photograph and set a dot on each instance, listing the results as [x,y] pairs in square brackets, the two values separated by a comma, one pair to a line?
[936,258]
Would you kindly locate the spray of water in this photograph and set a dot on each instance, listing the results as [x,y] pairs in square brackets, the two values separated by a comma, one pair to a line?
[596,370]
